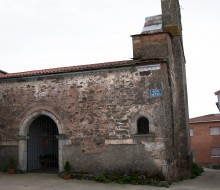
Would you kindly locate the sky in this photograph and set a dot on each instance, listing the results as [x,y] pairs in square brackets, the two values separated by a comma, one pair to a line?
[40,34]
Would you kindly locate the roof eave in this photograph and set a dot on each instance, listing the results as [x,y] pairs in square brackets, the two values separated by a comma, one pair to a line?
[204,121]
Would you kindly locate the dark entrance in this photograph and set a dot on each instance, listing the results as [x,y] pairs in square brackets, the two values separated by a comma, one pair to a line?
[143,125]
[42,146]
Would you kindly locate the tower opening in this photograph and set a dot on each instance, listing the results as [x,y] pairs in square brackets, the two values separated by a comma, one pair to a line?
[143,125]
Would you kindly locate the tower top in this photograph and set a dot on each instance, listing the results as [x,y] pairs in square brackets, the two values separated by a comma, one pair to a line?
[171,17]
[152,24]
[169,21]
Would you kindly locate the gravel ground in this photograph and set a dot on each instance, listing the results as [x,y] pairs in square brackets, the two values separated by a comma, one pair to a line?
[210,180]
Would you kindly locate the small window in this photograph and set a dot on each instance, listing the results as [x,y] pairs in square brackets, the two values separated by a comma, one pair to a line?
[214,130]
[215,151]
[191,131]
[143,125]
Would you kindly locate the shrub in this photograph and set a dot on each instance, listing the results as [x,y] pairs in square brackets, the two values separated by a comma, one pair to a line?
[67,168]
[12,164]
[197,170]
[102,178]
[134,179]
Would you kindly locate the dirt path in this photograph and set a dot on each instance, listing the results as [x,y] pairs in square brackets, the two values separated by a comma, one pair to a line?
[209,180]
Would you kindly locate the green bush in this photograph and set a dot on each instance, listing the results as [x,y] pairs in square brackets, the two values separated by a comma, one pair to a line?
[131,179]
[67,168]
[197,170]
[12,164]
[102,178]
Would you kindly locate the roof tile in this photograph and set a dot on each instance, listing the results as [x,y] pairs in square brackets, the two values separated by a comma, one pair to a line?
[68,69]
[205,118]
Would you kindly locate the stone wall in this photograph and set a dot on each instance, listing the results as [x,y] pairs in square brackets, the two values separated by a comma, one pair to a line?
[172,24]
[98,111]
[7,152]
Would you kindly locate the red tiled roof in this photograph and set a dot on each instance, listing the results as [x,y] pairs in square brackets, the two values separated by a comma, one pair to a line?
[217,93]
[68,69]
[205,118]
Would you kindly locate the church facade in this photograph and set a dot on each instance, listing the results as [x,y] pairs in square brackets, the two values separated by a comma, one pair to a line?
[126,116]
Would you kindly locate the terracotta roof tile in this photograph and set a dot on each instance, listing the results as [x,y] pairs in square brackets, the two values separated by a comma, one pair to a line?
[205,118]
[68,69]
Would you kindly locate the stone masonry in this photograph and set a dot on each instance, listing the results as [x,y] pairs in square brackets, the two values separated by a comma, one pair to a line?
[97,107]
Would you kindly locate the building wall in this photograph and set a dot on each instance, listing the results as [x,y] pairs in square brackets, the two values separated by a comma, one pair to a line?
[7,152]
[202,142]
[163,45]
[98,111]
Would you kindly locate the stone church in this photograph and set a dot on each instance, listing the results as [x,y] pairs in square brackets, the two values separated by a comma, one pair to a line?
[125,116]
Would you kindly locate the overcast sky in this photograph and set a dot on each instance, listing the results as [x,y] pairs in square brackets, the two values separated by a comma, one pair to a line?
[38,34]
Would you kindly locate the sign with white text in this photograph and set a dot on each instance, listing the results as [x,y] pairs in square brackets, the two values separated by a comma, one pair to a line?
[155,92]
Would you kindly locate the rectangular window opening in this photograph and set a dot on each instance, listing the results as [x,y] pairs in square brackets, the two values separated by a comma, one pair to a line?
[215,151]
[191,131]
[214,130]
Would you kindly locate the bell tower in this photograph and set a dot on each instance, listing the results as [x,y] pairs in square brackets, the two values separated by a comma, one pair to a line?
[161,39]
[171,19]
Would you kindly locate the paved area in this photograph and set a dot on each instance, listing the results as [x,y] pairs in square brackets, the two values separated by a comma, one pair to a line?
[209,180]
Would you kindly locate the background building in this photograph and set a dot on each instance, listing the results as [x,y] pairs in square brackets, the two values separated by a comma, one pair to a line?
[205,140]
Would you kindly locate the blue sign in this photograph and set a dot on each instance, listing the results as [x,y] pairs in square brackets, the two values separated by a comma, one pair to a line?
[155,92]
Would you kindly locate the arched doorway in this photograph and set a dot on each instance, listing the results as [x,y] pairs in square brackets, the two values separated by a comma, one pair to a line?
[42,145]
[26,140]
